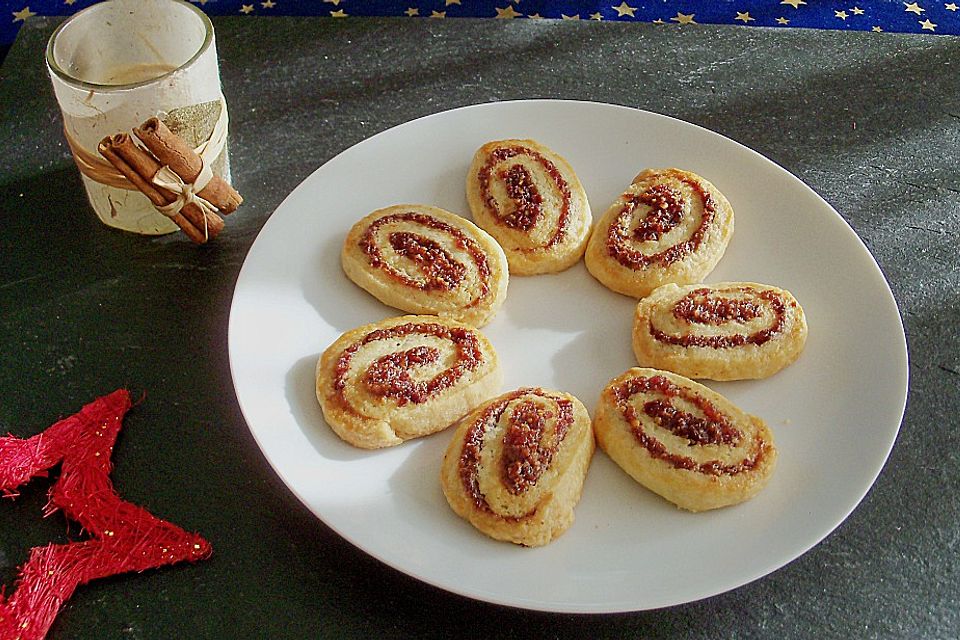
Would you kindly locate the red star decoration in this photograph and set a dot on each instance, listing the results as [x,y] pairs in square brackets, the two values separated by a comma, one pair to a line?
[123,536]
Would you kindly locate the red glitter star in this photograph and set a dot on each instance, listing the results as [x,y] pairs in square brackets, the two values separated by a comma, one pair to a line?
[123,536]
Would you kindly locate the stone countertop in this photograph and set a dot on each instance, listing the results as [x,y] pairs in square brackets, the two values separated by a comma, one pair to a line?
[870,121]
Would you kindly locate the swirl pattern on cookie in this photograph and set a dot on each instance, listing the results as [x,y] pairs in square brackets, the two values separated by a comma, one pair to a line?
[668,226]
[529,199]
[424,259]
[403,378]
[682,440]
[722,331]
[516,465]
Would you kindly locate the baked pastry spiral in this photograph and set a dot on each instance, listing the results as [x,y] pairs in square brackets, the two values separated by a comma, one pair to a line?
[530,200]
[683,441]
[722,331]
[516,465]
[403,378]
[668,226]
[424,259]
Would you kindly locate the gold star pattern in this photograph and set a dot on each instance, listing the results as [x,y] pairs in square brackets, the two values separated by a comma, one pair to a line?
[623,9]
[683,18]
[447,3]
[783,21]
[927,25]
[246,9]
[952,6]
[857,11]
[573,17]
[596,16]
[23,15]
[507,12]
[438,14]
[72,1]
[339,13]
[659,21]
[535,16]
[412,11]
[335,3]
[269,4]
[793,3]
[876,29]
[913,7]
[744,17]
[841,14]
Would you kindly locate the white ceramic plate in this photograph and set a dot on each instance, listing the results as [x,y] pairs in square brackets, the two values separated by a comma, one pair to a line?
[835,413]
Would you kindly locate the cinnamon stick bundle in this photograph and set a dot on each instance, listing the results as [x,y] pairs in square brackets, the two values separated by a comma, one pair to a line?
[171,150]
[139,167]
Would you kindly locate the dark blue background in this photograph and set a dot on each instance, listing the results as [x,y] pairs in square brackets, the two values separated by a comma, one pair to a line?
[861,15]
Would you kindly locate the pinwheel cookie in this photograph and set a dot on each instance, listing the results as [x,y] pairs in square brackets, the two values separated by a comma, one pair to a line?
[403,378]
[683,441]
[423,259]
[668,226]
[530,200]
[722,331]
[516,465]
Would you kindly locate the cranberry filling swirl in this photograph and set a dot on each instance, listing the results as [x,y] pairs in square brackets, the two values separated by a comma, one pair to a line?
[408,248]
[525,429]
[522,209]
[678,426]
[721,318]
[640,232]
[397,375]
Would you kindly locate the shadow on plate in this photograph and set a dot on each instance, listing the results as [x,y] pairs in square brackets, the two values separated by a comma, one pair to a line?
[548,301]
[590,360]
[416,482]
[337,300]
[300,390]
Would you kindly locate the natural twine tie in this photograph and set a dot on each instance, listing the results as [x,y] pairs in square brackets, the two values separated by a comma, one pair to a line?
[101,171]
[176,177]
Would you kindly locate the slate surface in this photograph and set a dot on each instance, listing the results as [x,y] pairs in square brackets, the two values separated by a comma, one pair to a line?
[871,122]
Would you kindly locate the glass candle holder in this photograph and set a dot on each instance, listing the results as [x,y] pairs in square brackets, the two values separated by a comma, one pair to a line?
[120,62]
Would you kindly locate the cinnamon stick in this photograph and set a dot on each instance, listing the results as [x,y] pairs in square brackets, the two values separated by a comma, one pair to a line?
[139,167]
[172,151]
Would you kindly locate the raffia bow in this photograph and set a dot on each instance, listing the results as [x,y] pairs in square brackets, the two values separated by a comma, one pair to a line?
[160,169]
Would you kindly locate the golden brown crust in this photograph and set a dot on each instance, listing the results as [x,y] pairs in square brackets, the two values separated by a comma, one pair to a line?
[516,465]
[683,441]
[670,225]
[423,259]
[721,331]
[529,198]
[403,378]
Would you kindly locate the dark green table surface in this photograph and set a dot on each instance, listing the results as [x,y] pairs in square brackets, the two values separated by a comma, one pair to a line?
[871,122]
